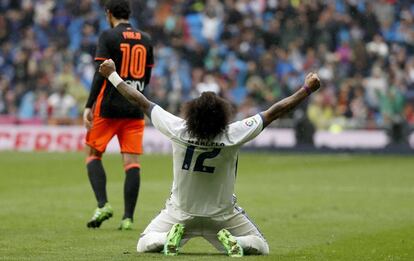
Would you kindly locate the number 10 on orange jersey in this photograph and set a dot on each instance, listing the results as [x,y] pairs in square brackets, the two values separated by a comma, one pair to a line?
[133,60]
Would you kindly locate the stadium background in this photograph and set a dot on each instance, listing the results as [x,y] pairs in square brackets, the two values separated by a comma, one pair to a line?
[309,206]
[251,52]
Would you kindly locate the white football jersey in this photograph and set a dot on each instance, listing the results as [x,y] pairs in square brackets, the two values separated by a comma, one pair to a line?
[204,171]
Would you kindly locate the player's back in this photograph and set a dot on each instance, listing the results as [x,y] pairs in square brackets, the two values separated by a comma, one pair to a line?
[204,177]
[132,52]
[205,171]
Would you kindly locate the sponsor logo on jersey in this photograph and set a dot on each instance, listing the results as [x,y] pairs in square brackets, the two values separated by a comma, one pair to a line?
[136,84]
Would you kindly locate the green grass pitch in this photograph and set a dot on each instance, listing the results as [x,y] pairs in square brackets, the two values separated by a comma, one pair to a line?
[309,207]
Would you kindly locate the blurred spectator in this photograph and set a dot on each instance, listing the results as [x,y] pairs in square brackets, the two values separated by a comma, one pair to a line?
[62,106]
[73,85]
[249,51]
[211,20]
[377,47]
[409,114]
[375,86]
[384,11]
[320,112]
[208,84]
[391,105]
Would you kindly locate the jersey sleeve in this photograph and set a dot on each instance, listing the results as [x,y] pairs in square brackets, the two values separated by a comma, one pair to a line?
[150,57]
[102,51]
[102,54]
[245,130]
[97,83]
[167,123]
[149,65]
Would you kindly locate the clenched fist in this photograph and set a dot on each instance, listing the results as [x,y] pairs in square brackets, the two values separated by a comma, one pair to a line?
[313,82]
[106,68]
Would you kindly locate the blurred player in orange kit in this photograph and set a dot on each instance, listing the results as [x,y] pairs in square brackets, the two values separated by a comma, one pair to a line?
[108,113]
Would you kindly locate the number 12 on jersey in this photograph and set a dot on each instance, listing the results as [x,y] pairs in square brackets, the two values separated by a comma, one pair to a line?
[199,164]
[133,60]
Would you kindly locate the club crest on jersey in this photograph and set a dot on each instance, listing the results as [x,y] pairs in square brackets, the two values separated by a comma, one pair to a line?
[250,122]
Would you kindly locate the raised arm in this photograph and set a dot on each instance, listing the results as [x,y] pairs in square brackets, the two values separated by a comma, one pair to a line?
[312,83]
[108,70]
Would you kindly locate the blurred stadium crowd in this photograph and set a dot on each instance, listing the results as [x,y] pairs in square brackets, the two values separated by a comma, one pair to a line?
[252,52]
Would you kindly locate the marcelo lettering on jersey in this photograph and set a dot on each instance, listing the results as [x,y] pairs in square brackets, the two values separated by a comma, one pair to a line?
[136,84]
[206,143]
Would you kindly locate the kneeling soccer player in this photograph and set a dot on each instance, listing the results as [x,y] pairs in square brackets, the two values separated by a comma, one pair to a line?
[205,153]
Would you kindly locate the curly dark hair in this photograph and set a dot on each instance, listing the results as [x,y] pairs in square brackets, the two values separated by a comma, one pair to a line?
[118,8]
[207,116]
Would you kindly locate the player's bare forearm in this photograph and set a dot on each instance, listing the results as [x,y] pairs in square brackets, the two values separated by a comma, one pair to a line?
[134,96]
[312,83]
[108,70]
[284,106]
